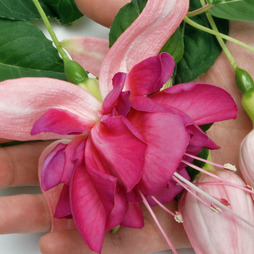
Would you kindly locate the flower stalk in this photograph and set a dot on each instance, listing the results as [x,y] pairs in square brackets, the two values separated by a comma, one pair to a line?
[50,30]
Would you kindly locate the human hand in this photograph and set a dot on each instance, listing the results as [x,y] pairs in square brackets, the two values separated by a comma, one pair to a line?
[126,240]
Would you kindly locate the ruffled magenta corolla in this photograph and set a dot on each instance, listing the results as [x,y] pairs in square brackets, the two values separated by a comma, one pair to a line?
[109,153]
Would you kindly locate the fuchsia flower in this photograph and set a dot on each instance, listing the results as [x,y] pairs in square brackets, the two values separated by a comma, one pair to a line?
[219,232]
[114,150]
[111,155]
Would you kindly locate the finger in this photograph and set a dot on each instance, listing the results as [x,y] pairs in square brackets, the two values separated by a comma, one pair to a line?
[19,164]
[26,213]
[126,240]
[100,11]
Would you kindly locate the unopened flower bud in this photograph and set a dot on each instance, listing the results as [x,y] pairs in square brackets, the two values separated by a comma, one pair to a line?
[211,232]
[246,85]
[74,72]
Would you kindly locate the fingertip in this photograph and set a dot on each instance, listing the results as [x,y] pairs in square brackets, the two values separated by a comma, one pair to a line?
[101,11]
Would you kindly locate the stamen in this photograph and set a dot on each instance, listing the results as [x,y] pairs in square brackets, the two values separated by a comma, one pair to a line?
[177,215]
[215,209]
[223,201]
[230,167]
[211,198]
[226,166]
[186,187]
[157,222]
[247,188]
[250,188]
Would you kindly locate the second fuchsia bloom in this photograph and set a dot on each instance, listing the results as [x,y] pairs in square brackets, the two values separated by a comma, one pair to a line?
[110,152]
[219,232]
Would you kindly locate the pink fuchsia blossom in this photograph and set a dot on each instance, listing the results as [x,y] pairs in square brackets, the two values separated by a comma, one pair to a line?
[213,231]
[113,153]
[110,152]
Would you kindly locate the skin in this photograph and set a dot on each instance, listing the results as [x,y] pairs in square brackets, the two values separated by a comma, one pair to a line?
[29,213]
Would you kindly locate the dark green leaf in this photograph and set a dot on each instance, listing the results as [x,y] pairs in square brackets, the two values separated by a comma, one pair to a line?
[233,10]
[26,52]
[200,49]
[64,10]
[206,127]
[124,18]
[193,172]
[175,45]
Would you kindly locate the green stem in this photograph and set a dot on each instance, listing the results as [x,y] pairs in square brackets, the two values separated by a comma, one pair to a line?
[219,39]
[50,30]
[223,36]
[199,11]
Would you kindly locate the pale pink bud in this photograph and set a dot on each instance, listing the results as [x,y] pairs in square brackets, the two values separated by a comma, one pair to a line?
[212,232]
[246,159]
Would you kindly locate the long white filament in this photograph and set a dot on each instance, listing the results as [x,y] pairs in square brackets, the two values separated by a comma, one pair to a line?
[213,200]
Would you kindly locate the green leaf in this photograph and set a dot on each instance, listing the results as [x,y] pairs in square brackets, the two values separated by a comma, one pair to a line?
[242,10]
[64,10]
[124,18]
[200,49]
[26,52]
[175,45]
[193,172]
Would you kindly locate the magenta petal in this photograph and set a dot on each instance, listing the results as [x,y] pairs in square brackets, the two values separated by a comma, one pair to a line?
[74,156]
[192,98]
[170,191]
[124,103]
[63,208]
[88,211]
[106,187]
[150,75]
[61,122]
[121,149]
[53,167]
[134,217]
[112,97]
[167,139]
[119,210]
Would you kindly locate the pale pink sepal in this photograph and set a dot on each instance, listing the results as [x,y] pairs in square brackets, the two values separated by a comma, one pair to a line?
[144,38]
[24,100]
[87,51]
[52,196]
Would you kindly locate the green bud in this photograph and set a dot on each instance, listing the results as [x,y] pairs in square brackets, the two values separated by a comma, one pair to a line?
[243,80]
[91,85]
[74,72]
[248,104]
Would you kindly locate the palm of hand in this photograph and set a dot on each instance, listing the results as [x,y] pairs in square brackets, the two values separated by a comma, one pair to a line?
[29,213]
